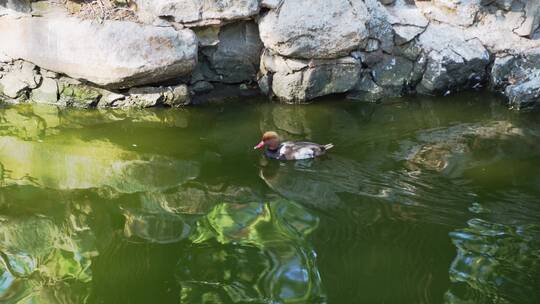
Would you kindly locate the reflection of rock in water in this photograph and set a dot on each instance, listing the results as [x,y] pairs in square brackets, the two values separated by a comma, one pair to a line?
[254,253]
[78,164]
[289,121]
[34,121]
[29,121]
[496,263]
[169,217]
[42,262]
[451,149]
[156,227]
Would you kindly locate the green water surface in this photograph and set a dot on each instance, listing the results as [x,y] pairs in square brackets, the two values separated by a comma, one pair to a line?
[426,200]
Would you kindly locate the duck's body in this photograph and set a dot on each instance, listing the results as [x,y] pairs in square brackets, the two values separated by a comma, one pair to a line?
[290,150]
[297,150]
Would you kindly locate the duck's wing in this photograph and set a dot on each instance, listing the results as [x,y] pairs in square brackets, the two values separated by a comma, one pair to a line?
[300,150]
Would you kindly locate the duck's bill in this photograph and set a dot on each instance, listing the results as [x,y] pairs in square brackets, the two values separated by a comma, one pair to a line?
[259,145]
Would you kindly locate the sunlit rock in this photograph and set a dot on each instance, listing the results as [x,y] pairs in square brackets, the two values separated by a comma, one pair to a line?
[117,54]
[302,80]
[17,78]
[327,29]
[145,97]
[47,92]
[379,25]
[459,13]
[519,78]
[454,60]
[23,6]
[197,12]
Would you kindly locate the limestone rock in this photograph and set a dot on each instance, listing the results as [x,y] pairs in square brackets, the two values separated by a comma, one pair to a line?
[379,25]
[17,78]
[198,12]
[406,33]
[145,97]
[322,29]
[495,33]
[208,35]
[454,60]
[367,90]
[77,95]
[453,12]
[302,80]
[532,19]
[17,5]
[47,92]
[109,99]
[115,54]
[177,96]
[393,72]
[270,3]
[519,78]
[236,58]
[524,95]
[404,14]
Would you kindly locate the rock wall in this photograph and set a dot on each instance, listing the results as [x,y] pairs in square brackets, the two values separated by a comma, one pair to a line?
[176,52]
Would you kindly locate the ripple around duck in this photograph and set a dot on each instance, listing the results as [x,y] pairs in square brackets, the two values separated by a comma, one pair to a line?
[337,182]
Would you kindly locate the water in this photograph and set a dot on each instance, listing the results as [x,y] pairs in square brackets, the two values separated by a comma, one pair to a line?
[424,201]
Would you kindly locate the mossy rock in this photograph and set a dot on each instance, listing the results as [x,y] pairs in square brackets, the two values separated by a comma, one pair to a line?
[79,95]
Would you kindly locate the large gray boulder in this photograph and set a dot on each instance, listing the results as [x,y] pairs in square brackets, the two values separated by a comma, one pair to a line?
[113,54]
[198,12]
[47,92]
[295,80]
[16,5]
[18,78]
[454,12]
[316,29]
[393,71]
[455,60]
[532,19]
[524,95]
[519,79]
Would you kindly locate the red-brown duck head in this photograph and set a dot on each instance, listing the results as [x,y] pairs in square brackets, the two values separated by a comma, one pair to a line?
[270,140]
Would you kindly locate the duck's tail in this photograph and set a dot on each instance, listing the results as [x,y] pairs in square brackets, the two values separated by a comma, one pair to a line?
[328,146]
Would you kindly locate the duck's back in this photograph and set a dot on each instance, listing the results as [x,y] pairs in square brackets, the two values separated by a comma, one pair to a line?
[300,150]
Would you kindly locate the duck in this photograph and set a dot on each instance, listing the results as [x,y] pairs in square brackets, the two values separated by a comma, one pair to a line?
[289,150]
